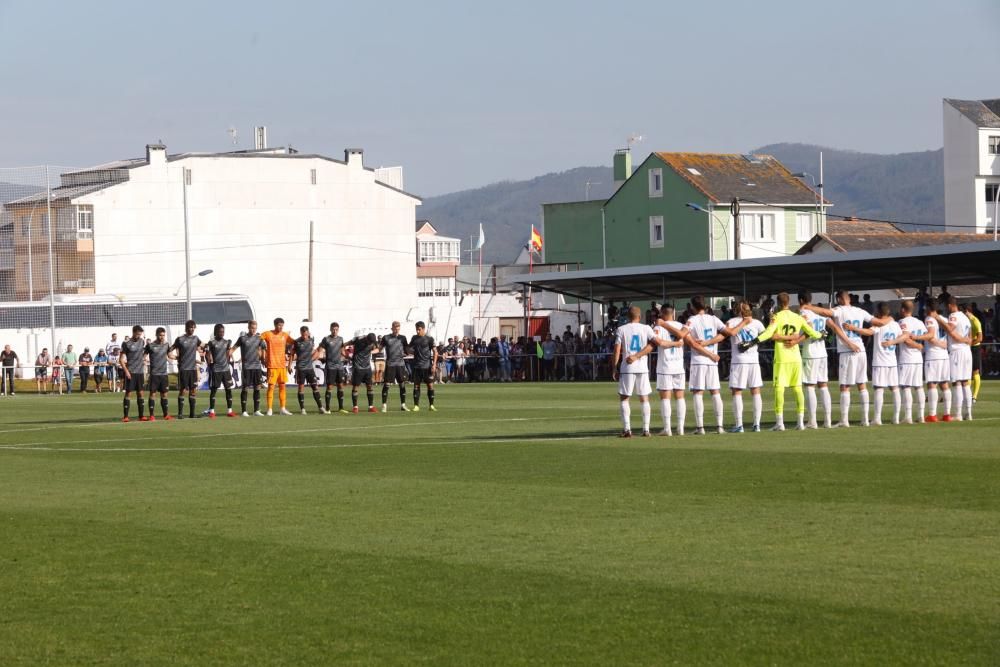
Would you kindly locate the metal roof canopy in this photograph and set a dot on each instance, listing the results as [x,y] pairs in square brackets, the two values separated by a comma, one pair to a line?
[915,268]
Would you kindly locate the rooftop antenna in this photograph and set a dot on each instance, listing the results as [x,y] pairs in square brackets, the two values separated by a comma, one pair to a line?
[633,138]
[234,135]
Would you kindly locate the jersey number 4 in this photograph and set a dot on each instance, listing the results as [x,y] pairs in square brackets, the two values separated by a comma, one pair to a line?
[633,344]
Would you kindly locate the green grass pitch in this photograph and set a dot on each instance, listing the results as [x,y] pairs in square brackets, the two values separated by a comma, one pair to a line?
[510,527]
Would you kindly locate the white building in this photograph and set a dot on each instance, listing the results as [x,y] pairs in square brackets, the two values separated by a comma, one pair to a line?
[971,164]
[306,237]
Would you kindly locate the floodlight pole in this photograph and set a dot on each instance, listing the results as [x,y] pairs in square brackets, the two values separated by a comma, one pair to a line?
[187,244]
[52,280]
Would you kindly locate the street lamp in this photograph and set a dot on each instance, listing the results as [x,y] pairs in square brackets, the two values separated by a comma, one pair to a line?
[725,235]
[203,272]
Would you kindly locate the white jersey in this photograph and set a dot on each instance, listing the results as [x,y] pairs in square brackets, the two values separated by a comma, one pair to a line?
[669,360]
[632,338]
[963,327]
[882,356]
[704,327]
[753,329]
[814,348]
[856,316]
[933,352]
[907,354]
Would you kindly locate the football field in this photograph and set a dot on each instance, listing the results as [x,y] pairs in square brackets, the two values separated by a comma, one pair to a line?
[511,526]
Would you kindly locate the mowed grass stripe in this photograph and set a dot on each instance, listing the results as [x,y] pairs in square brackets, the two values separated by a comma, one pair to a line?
[161,600]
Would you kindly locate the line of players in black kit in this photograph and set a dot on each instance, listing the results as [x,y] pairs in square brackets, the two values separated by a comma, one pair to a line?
[278,353]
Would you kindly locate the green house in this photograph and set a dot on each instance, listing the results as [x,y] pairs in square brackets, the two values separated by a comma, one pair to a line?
[676,207]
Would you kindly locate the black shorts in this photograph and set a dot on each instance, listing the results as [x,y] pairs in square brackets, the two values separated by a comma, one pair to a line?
[394,374]
[135,383]
[220,378]
[187,380]
[41,372]
[305,376]
[360,376]
[422,376]
[977,359]
[159,383]
[253,377]
[335,375]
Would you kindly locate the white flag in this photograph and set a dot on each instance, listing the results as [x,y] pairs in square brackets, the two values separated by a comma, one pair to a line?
[482,238]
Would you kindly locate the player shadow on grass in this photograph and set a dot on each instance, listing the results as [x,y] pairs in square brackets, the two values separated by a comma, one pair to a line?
[572,435]
[47,421]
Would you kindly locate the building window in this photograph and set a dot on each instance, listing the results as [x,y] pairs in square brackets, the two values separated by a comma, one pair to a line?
[85,222]
[994,145]
[803,226]
[992,189]
[757,227]
[438,251]
[655,182]
[312,176]
[435,286]
[187,176]
[656,231]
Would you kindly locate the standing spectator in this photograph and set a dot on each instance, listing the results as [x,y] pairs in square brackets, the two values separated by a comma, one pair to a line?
[100,369]
[42,363]
[9,360]
[114,350]
[493,359]
[86,361]
[569,360]
[69,367]
[867,305]
[459,357]
[921,301]
[503,352]
[57,373]
[548,358]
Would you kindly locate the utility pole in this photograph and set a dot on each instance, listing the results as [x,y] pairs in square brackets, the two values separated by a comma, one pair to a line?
[185,175]
[734,209]
[310,308]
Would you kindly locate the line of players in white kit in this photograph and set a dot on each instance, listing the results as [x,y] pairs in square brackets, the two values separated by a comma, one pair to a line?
[908,355]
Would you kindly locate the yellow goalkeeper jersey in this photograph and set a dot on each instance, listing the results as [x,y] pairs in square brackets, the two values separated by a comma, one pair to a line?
[787,323]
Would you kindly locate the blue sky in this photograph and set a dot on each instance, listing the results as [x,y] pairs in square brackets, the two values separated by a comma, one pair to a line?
[465,94]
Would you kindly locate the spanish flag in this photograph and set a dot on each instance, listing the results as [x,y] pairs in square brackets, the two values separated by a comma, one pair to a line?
[536,240]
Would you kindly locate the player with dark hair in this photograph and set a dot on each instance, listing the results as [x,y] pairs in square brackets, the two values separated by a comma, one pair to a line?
[133,365]
[959,331]
[885,362]
[331,350]
[394,345]
[278,343]
[159,381]
[425,356]
[217,355]
[304,372]
[364,347]
[187,349]
[252,348]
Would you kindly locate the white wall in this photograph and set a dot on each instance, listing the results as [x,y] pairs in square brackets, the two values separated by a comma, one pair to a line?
[961,163]
[249,222]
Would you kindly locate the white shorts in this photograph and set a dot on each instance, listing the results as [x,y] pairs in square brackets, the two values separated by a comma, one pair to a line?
[814,371]
[633,382]
[885,376]
[704,377]
[745,376]
[936,371]
[671,382]
[853,368]
[960,363]
[911,375]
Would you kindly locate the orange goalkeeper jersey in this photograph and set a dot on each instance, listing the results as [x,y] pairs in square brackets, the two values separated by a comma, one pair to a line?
[277,344]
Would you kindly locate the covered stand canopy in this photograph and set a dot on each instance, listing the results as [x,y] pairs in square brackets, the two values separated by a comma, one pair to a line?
[906,268]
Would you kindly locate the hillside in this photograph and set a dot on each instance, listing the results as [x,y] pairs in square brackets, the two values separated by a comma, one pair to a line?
[907,187]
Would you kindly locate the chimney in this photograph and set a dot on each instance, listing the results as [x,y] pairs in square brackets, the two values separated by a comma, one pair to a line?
[156,154]
[259,137]
[354,157]
[623,166]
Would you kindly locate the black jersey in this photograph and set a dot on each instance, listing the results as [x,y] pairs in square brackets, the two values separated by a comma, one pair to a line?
[395,349]
[303,348]
[250,347]
[188,347]
[158,357]
[135,351]
[363,347]
[423,351]
[219,349]
[333,348]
